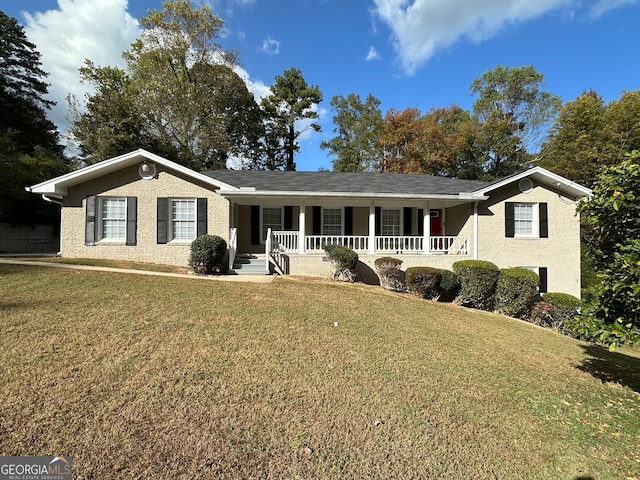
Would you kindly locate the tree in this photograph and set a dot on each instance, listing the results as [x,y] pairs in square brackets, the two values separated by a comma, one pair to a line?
[575,148]
[29,149]
[179,94]
[438,143]
[588,135]
[401,142]
[291,100]
[612,217]
[515,114]
[109,124]
[357,128]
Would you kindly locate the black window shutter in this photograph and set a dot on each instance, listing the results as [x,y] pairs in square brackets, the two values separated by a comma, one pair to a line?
[420,222]
[162,220]
[408,220]
[288,217]
[132,220]
[348,220]
[255,225]
[316,221]
[378,221]
[542,273]
[90,221]
[201,216]
[544,223]
[509,220]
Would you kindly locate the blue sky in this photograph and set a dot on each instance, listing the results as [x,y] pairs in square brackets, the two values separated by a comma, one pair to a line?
[407,53]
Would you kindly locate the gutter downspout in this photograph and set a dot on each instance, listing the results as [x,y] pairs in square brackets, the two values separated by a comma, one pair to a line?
[475,230]
[57,202]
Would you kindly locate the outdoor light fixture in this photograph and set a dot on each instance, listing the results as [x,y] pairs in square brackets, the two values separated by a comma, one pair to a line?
[147,170]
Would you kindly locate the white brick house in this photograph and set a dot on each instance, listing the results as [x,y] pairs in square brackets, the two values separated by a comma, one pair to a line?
[143,207]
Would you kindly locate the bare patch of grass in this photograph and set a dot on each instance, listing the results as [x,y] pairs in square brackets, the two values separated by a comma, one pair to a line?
[138,377]
[98,262]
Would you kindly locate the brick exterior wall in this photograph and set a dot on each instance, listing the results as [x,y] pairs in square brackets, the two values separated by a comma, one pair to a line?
[127,182]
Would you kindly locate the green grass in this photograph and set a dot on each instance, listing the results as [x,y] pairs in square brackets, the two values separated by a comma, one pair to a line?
[155,377]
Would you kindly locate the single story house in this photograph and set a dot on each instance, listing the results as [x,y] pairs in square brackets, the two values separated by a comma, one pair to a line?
[142,207]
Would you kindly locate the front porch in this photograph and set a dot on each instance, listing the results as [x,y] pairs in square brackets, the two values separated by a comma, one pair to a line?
[289,242]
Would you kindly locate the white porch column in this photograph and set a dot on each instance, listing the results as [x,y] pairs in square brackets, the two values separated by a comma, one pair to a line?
[372,228]
[426,228]
[301,229]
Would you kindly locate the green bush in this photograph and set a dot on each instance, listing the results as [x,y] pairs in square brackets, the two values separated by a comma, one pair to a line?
[344,262]
[515,290]
[391,277]
[449,286]
[207,254]
[478,280]
[423,281]
[557,311]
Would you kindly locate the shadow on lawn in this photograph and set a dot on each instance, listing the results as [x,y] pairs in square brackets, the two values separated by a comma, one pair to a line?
[612,367]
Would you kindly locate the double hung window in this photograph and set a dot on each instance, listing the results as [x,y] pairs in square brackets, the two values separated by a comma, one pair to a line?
[113,219]
[390,223]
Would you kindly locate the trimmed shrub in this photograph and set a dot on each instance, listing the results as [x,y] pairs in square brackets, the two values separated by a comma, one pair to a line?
[557,311]
[449,286]
[423,281]
[391,277]
[344,261]
[478,280]
[515,290]
[207,254]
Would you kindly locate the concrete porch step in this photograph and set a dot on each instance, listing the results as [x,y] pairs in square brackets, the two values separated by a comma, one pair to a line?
[246,264]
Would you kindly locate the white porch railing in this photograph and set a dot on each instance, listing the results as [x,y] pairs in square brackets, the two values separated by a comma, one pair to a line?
[400,244]
[318,242]
[450,245]
[285,241]
[233,246]
[288,241]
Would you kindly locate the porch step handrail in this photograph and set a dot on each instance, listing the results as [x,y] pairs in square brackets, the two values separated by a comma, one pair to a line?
[233,246]
[268,249]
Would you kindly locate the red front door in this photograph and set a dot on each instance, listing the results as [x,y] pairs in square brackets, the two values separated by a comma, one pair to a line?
[436,222]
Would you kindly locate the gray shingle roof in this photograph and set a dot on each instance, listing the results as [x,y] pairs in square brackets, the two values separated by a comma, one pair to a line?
[338,182]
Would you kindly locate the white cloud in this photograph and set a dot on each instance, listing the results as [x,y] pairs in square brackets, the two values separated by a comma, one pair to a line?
[270,46]
[78,29]
[372,54]
[423,27]
[600,7]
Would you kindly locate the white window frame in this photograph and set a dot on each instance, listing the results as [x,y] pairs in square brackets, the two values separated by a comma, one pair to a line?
[173,221]
[120,220]
[264,226]
[534,220]
[324,225]
[398,226]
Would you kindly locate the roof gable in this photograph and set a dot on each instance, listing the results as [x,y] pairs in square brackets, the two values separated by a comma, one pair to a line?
[541,175]
[57,187]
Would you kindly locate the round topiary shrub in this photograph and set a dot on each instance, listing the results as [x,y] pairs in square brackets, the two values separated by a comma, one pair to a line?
[449,286]
[423,281]
[390,275]
[344,262]
[207,254]
[478,280]
[515,290]
[557,311]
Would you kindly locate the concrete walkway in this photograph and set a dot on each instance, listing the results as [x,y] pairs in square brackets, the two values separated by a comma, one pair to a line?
[221,278]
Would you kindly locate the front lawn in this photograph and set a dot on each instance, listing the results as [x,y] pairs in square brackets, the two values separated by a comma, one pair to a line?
[156,377]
